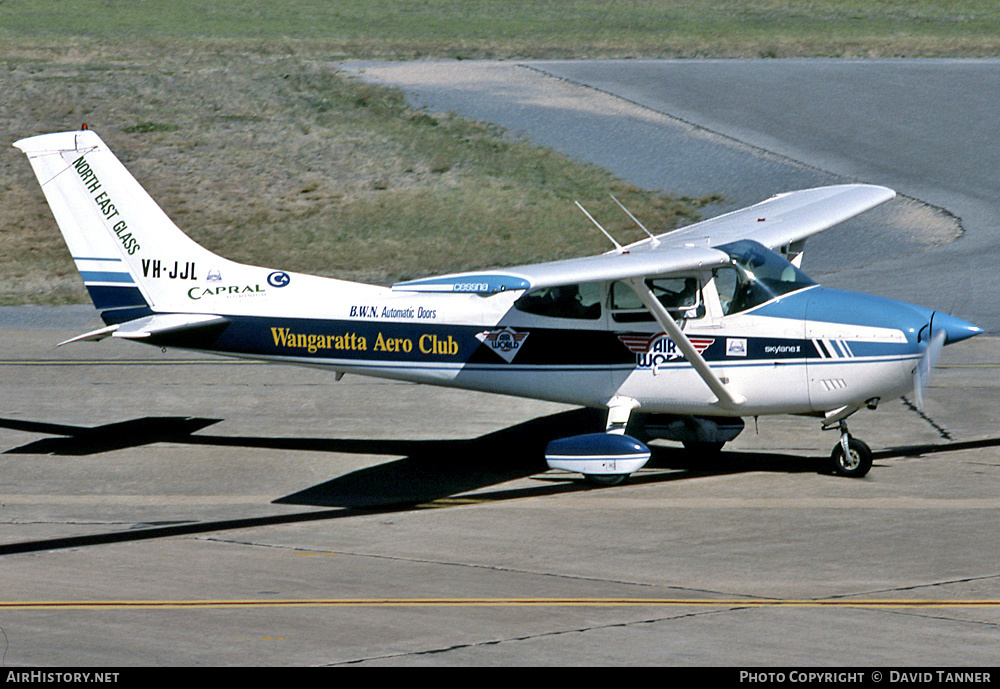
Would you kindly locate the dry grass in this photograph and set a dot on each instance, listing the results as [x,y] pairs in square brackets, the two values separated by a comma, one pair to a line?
[230,115]
[283,161]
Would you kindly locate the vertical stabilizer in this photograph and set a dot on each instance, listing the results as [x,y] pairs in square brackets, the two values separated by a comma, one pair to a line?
[127,250]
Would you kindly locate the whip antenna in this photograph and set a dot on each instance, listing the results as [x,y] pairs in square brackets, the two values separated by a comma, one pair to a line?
[635,220]
[618,246]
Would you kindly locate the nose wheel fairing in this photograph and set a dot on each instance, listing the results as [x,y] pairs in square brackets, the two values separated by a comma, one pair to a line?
[606,457]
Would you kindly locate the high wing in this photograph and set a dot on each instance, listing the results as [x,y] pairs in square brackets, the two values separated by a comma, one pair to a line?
[786,218]
[780,221]
[783,221]
[611,266]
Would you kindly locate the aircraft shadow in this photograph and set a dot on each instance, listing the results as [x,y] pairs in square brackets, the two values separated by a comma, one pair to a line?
[951,446]
[84,440]
[432,469]
[428,470]
[685,464]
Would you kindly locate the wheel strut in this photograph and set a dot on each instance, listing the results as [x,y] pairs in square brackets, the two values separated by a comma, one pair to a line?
[845,437]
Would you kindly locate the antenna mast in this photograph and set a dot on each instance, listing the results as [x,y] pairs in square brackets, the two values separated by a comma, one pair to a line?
[618,247]
[636,220]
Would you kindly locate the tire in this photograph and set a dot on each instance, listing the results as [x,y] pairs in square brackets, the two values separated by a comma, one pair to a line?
[703,449]
[856,464]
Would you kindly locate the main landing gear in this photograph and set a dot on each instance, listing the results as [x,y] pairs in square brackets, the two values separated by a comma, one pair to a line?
[850,457]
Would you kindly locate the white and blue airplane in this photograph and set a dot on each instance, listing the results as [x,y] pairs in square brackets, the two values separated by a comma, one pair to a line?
[678,336]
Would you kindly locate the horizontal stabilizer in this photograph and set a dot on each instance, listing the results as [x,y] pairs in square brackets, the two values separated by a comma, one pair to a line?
[93,336]
[158,324]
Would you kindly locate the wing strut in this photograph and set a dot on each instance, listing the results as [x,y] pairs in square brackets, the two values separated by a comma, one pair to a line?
[645,294]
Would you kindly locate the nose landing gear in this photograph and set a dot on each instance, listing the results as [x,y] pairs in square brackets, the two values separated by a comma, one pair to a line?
[850,457]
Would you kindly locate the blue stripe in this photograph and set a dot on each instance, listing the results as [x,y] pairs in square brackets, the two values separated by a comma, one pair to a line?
[458,367]
[102,276]
[95,258]
[115,297]
[473,283]
[456,347]
[597,446]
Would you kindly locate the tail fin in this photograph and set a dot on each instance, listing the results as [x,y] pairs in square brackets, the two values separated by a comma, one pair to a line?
[129,253]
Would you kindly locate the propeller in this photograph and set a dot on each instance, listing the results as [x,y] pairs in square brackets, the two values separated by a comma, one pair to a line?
[925,367]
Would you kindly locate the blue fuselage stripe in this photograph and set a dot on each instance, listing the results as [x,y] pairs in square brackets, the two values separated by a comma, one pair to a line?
[381,344]
[113,297]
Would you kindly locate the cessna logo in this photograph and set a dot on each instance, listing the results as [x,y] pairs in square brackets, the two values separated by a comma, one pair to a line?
[505,342]
[653,350]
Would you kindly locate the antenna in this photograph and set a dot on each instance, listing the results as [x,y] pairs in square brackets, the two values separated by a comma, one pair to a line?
[618,246]
[636,220]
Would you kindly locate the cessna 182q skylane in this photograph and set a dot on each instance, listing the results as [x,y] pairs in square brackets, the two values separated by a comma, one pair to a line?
[677,336]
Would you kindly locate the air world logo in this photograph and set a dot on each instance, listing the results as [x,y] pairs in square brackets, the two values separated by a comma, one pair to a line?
[505,342]
[652,351]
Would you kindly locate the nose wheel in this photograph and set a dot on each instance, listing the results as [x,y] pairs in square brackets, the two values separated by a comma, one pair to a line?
[850,457]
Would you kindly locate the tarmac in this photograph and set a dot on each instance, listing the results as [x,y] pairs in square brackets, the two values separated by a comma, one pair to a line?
[170,508]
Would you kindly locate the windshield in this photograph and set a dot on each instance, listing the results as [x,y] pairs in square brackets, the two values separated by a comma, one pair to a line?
[755,275]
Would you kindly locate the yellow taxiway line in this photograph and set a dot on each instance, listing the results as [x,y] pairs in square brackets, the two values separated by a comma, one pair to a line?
[895,603]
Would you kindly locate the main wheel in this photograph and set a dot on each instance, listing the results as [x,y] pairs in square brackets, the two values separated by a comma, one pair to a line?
[856,463]
[702,448]
[604,480]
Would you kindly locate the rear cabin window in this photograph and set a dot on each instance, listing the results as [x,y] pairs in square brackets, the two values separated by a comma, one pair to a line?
[565,301]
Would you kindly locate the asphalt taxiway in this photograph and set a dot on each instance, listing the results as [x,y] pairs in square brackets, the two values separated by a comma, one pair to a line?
[172,509]
[168,508]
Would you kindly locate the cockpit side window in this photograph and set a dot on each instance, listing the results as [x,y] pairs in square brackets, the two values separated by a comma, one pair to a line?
[727,281]
[581,301]
[755,275]
[738,292]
